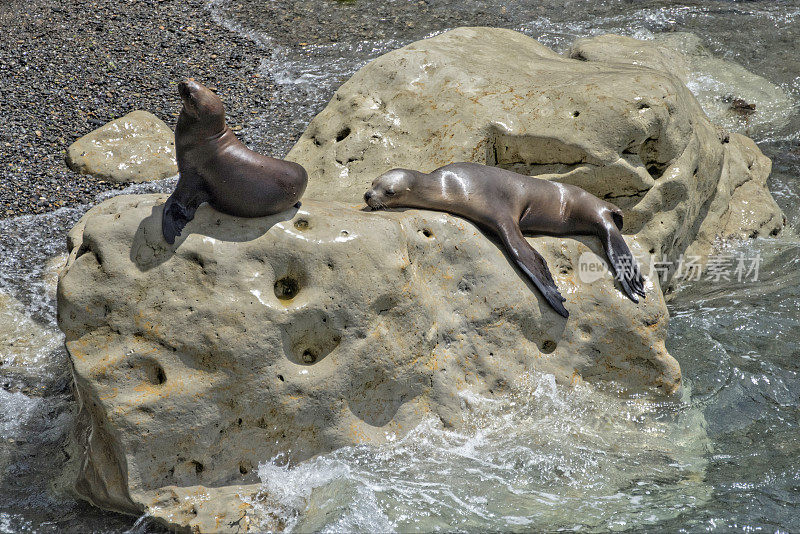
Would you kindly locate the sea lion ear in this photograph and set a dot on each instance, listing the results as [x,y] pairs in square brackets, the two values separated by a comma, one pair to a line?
[190,107]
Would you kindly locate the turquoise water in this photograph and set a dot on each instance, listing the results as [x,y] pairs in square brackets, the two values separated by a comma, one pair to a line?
[720,458]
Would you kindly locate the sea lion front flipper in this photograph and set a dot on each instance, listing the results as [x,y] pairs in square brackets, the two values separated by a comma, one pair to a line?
[532,264]
[182,204]
[624,264]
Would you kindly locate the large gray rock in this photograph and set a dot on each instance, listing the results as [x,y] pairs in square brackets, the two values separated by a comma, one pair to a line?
[135,148]
[307,331]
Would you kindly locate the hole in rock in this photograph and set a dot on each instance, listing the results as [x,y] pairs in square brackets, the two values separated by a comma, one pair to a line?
[427,232]
[343,133]
[655,170]
[287,288]
[307,339]
[84,248]
[198,467]
[153,372]
[548,346]
[280,377]
[384,303]
[643,105]
[309,357]
[160,377]
[301,224]
[576,113]
[196,258]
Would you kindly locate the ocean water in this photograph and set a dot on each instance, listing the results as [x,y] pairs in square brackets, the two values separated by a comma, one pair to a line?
[722,457]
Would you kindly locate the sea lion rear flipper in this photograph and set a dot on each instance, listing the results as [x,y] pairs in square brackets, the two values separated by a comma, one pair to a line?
[624,264]
[532,264]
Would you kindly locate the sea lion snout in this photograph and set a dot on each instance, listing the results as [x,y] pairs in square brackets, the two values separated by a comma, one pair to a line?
[373,200]
[183,89]
[188,88]
[202,104]
[388,188]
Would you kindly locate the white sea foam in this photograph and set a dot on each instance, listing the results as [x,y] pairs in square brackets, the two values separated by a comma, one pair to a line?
[547,456]
[17,410]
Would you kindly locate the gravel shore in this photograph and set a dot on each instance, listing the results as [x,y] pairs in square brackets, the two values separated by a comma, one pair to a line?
[69,66]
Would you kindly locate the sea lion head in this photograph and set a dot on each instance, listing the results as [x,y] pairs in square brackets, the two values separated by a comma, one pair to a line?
[202,106]
[391,189]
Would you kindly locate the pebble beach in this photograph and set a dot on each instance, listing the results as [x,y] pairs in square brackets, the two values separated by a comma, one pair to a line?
[68,67]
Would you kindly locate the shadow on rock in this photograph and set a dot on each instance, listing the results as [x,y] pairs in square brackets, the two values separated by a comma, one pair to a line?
[149,249]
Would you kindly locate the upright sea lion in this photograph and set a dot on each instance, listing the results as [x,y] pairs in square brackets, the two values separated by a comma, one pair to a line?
[508,204]
[215,167]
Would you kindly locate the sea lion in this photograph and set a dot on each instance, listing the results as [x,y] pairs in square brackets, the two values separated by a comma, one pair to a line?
[508,204]
[215,167]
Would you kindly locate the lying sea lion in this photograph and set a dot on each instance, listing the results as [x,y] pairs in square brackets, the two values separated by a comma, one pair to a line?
[215,167]
[508,204]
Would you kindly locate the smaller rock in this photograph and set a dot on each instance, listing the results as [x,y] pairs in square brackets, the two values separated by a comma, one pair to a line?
[138,147]
[740,105]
